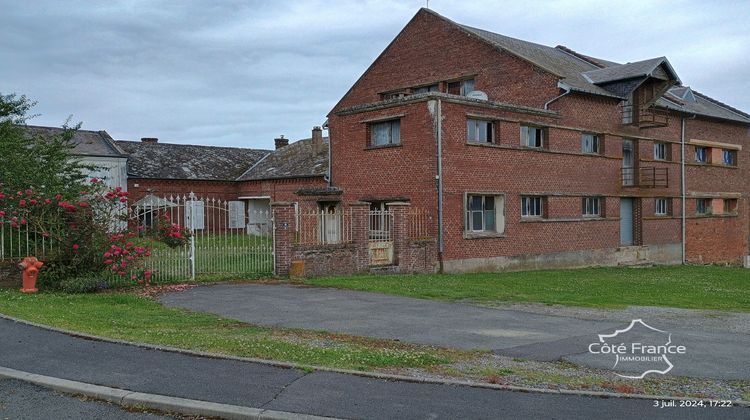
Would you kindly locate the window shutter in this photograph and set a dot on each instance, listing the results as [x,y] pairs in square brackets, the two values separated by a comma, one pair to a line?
[236,214]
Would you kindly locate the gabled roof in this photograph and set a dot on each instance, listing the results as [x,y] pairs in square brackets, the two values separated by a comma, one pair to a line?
[297,160]
[87,142]
[617,72]
[581,73]
[187,161]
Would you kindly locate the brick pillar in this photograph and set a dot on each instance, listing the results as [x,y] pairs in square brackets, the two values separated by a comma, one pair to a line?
[284,218]
[400,233]
[359,223]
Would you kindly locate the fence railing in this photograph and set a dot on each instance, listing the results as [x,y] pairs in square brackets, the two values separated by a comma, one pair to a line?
[21,241]
[380,225]
[420,224]
[324,227]
[647,177]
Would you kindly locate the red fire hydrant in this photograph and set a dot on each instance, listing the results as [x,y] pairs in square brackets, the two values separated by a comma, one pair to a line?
[30,267]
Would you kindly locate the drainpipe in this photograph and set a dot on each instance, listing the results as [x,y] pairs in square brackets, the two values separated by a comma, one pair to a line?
[683,188]
[683,240]
[439,177]
[562,86]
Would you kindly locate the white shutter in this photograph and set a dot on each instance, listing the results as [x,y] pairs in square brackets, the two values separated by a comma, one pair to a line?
[199,210]
[236,215]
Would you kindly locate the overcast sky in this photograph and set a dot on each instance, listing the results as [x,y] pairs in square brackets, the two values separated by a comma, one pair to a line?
[239,73]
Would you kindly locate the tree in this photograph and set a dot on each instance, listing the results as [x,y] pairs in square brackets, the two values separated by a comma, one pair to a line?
[45,163]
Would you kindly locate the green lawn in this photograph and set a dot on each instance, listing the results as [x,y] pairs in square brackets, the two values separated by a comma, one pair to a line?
[133,318]
[696,287]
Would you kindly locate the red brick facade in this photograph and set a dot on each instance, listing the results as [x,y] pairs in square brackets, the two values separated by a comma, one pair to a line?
[431,50]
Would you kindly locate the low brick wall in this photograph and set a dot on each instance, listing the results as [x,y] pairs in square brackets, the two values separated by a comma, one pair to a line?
[10,275]
[419,257]
[329,260]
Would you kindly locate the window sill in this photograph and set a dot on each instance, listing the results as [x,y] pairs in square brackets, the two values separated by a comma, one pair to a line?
[385,146]
[707,216]
[569,219]
[711,165]
[483,235]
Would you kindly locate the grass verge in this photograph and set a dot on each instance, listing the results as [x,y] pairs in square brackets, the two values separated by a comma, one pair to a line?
[692,287]
[129,317]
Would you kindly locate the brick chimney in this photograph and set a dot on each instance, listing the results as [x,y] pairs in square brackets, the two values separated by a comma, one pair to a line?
[150,140]
[281,142]
[317,140]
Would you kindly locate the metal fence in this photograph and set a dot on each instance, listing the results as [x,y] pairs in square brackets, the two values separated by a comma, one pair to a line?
[21,241]
[221,237]
[324,227]
[420,224]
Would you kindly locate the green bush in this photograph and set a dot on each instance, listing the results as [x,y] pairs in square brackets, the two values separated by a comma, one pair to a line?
[91,283]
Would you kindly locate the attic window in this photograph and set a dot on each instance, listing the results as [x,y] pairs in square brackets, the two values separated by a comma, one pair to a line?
[425,89]
[688,95]
[460,87]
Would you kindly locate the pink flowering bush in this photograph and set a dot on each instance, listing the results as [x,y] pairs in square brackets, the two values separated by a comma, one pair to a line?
[172,234]
[83,236]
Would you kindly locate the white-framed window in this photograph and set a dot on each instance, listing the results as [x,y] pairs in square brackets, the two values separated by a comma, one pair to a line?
[590,143]
[485,213]
[702,206]
[661,151]
[661,206]
[532,206]
[532,136]
[385,133]
[480,131]
[729,157]
[591,206]
[701,154]
[460,87]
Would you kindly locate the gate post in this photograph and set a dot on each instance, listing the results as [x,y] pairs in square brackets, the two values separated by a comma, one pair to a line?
[400,211]
[284,229]
[359,213]
[191,212]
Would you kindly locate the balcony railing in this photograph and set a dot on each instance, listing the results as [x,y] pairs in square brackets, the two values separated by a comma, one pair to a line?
[648,177]
[644,117]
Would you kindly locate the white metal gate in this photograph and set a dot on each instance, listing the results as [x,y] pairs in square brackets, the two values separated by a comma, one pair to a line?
[381,237]
[213,237]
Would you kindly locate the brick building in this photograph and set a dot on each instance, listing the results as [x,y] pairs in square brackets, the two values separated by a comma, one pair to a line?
[533,156]
[253,176]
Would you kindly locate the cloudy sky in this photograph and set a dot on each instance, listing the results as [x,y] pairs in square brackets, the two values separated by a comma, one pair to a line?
[240,73]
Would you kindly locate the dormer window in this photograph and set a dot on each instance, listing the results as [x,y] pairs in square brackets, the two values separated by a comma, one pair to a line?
[461,87]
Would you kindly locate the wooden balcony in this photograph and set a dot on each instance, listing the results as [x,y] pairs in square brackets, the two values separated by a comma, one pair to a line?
[644,117]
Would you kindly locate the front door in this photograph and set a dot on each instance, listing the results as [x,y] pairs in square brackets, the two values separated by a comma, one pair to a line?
[626,221]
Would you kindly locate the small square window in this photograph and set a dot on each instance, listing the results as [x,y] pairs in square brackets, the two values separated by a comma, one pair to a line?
[662,207]
[702,206]
[480,131]
[590,143]
[591,206]
[385,133]
[729,157]
[532,136]
[532,206]
[661,151]
[701,154]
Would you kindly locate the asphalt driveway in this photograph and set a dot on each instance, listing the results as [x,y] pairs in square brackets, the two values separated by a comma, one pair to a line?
[709,353]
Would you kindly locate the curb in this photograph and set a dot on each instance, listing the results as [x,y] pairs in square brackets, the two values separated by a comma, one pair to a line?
[374,375]
[163,403]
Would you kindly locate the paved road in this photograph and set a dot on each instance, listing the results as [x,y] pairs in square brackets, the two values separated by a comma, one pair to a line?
[710,353]
[20,400]
[320,393]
